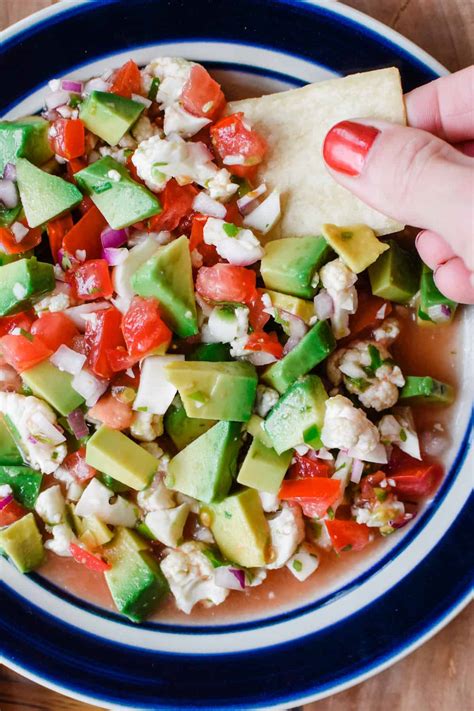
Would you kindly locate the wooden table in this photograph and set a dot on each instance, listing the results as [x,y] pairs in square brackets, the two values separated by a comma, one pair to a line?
[437,677]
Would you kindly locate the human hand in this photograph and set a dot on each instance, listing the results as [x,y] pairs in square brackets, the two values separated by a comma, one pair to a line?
[422,175]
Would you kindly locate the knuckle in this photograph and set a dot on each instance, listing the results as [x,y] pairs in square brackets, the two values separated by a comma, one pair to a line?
[415,158]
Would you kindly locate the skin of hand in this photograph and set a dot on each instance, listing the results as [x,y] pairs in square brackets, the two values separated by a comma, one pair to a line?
[421,174]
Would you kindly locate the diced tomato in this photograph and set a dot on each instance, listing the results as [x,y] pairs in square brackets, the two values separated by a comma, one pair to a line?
[23,351]
[91,280]
[318,492]
[67,138]
[56,230]
[75,165]
[120,359]
[177,201]
[196,242]
[133,171]
[112,412]
[399,460]
[102,334]
[258,317]
[418,481]
[305,467]
[226,283]
[91,561]
[347,535]
[366,315]
[11,512]
[54,329]
[22,320]
[86,204]
[9,244]
[143,327]
[77,466]
[202,95]
[85,235]
[127,80]
[233,214]
[232,137]
[370,483]
[266,342]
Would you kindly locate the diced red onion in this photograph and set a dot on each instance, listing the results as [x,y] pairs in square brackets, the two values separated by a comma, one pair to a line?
[323,305]
[402,520]
[381,312]
[56,98]
[259,358]
[240,575]
[296,327]
[303,450]
[8,193]
[114,256]
[90,387]
[97,84]
[47,428]
[378,455]
[248,202]
[9,172]
[68,360]
[5,501]
[78,424]
[77,314]
[325,454]
[265,215]
[74,87]
[230,578]
[356,471]
[64,112]
[19,231]
[200,152]
[440,313]
[113,238]
[207,206]
[141,100]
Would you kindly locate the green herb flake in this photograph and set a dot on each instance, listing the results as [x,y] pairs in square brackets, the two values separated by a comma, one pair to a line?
[347,548]
[230,229]
[297,565]
[310,434]
[153,90]
[26,335]
[381,494]
[142,409]
[227,514]
[403,436]
[213,558]
[361,384]
[330,513]
[375,358]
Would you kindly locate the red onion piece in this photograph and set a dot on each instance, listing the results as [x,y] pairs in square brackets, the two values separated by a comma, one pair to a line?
[113,238]
[8,193]
[114,256]
[55,99]
[259,358]
[230,578]
[440,313]
[381,312]
[68,360]
[296,330]
[378,455]
[356,471]
[207,206]
[265,215]
[78,424]
[7,500]
[248,202]
[323,305]
[19,231]
[240,575]
[74,87]
[9,172]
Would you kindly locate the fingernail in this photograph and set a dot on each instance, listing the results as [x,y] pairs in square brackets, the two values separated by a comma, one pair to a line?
[418,237]
[346,146]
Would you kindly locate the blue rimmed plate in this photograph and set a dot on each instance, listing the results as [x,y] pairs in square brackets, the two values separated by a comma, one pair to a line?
[351,627]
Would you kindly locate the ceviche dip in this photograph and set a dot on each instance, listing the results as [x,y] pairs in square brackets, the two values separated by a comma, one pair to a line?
[190,410]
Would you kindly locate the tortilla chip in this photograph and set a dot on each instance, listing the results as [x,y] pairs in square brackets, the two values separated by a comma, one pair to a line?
[295,124]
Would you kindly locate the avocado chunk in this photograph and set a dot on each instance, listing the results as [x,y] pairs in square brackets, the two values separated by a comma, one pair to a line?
[43,196]
[263,468]
[24,482]
[115,454]
[298,416]
[313,348]
[9,452]
[53,385]
[168,277]
[25,138]
[395,275]
[206,468]
[180,428]
[292,304]
[423,389]
[108,115]
[356,245]
[23,280]
[7,216]
[240,528]
[93,532]
[434,307]
[289,265]
[116,486]
[135,580]
[215,391]
[23,544]
[120,199]
[256,427]
[211,352]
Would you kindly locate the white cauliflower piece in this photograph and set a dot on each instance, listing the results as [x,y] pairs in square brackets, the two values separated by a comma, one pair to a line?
[303,563]
[225,324]
[95,501]
[387,332]
[347,427]
[41,440]
[190,576]
[239,246]
[156,497]
[338,280]
[173,73]
[144,129]
[167,525]
[117,154]
[287,532]
[220,185]
[399,429]
[265,400]
[51,505]
[146,426]
[63,536]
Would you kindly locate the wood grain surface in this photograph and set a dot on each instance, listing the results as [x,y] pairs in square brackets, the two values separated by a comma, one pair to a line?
[438,676]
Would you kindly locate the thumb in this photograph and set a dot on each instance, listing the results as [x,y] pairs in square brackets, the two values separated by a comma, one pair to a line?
[407,174]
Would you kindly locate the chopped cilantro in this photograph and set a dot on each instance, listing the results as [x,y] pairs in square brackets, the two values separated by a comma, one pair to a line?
[214,558]
[317,528]
[310,434]
[330,513]
[142,409]
[230,229]
[403,436]
[375,358]
[74,102]
[298,565]
[227,514]
[381,494]
[361,384]
[153,90]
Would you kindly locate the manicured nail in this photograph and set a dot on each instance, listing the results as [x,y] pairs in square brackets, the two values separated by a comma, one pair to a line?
[346,146]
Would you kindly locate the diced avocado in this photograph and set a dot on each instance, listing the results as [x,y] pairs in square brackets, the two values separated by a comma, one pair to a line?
[168,276]
[23,544]
[53,385]
[425,389]
[215,391]
[313,348]
[206,468]
[263,468]
[117,455]
[94,532]
[7,216]
[211,352]
[120,199]
[395,275]
[289,265]
[24,482]
[357,245]
[9,452]
[256,427]
[116,486]
[135,580]
[23,280]
[294,305]
[434,306]
[25,138]
[43,196]
[182,429]
[108,115]
[240,528]
[298,416]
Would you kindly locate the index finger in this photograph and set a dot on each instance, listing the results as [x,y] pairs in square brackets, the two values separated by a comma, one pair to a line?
[444,107]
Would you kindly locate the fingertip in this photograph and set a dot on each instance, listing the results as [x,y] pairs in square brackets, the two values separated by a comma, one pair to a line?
[454,280]
[432,248]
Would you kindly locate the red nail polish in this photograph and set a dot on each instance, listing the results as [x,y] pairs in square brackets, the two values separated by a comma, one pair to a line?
[346,146]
